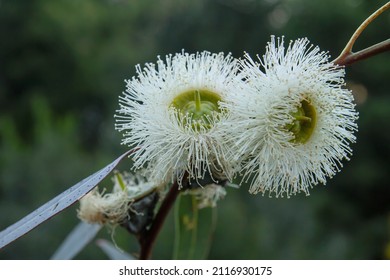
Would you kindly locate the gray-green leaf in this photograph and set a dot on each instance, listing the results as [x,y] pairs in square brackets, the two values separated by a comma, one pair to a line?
[77,239]
[56,205]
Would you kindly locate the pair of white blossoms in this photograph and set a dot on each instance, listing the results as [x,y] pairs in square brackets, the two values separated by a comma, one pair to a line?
[284,122]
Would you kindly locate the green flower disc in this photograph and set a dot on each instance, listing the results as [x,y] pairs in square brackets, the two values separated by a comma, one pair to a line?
[304,123]
[199,105]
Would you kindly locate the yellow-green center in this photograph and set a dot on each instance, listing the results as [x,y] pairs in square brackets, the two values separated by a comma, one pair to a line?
[199,105]
[304,122]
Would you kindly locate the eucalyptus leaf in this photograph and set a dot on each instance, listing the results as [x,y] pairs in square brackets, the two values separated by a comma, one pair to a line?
[112,251]
[77,239]
[56,205]
[194,229]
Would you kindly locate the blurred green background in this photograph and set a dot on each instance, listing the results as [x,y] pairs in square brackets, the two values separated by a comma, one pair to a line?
[62,68]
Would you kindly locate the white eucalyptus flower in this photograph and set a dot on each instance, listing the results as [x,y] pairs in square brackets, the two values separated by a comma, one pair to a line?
[208,196]
[103,208]
[171,112]
[297,121]
[113,207]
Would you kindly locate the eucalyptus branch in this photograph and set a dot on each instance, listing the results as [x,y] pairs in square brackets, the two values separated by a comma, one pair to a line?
[348,57]
[148,238]
[365,53]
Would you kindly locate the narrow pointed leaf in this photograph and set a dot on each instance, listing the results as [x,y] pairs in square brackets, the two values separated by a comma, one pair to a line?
[194,229]
[56,205]
[113,252]
[77,239]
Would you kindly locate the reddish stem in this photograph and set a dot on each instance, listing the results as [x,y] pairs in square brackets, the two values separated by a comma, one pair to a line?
[348,57]
[148,238]
[351,57]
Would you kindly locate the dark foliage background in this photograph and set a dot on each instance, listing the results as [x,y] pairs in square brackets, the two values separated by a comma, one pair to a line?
[62,66]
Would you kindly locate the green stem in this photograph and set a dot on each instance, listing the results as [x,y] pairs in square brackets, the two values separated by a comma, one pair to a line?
[121,183]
